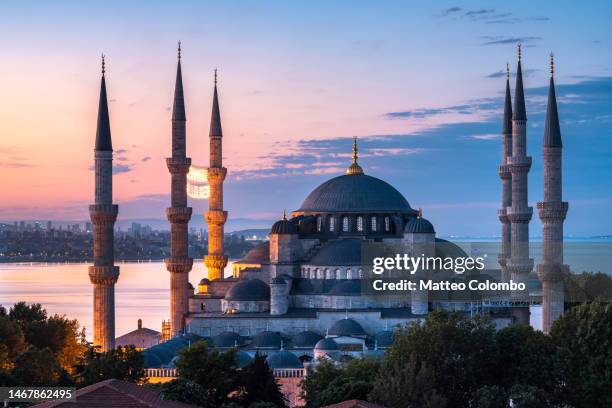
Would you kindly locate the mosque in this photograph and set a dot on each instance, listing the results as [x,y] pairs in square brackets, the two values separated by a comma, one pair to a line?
[298,297]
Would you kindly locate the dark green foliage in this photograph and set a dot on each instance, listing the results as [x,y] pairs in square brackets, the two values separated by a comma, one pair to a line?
[188,392]
[330,384]
[257,384]
[492,396]
[36,367]
[583,358]
[528,396]
[12,342]
[122,363]
[456,354]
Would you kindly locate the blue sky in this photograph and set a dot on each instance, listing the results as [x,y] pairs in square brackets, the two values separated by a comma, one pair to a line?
[420,85]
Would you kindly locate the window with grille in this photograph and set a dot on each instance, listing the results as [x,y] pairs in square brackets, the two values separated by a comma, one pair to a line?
[360,223]
[373,224]
[387,224]
[345,224]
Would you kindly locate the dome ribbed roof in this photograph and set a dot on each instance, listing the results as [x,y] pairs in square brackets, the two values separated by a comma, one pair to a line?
[326,345]
[346,327]
[267,339]
[243,358]
[419,225]
[259,254]
[284,226]
[227,339]
[248,290]
[306,339]
[355,193]
[284,359]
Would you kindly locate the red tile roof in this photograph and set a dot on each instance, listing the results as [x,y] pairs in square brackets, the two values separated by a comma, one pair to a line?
[116,393]
[354,404]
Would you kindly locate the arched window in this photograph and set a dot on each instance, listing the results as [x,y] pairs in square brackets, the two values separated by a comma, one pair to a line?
[360,273]
[373,224]
[387,224]
[319,223]
[329,274]
[360,223]
[345,224]
[338,273]
[332,224]
[319,273]
[349,274]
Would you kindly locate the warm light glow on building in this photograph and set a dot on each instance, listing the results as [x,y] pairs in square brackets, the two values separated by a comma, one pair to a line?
[197,183]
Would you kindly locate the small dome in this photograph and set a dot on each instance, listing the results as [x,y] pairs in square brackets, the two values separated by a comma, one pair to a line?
[227,339]
[326,344]
[248,290]
[346,327]
[284,359]
[384,338]
[204,281]
[284,226]
[243,358]
[306,339]
[189,285]
[258,255]
[419,225]
[267,339]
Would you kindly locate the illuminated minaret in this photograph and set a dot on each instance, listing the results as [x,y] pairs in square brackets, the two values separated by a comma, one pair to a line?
[103,274]
[519,213]
[506,178]
[215,216]
[552,214]
[179,264]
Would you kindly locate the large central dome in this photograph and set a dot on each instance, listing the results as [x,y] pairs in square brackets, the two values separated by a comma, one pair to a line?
[355,193]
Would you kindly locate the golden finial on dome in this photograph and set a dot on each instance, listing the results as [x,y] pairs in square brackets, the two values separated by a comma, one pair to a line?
[103,65]
[284,215]
[507,71]
[420,213]
[215,76]
[519,52]
[354,168]
[179,50]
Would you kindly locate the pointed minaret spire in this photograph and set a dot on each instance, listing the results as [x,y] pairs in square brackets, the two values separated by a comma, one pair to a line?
[520,112]
[215,119]
[178,108]
[552,132]
[103,133]
[507,125]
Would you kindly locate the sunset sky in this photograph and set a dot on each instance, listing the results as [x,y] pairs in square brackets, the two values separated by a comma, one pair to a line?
[420,85]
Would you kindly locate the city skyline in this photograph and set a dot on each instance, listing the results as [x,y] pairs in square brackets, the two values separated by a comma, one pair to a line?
[421,117]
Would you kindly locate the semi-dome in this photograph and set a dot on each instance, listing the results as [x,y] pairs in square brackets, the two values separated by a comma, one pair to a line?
[284,359]
[346,327]
[326,344]
[419,225]
[339,252]
[355,193]
[306,339]
[248,290]
[227,339]
[258,255]
[267,339]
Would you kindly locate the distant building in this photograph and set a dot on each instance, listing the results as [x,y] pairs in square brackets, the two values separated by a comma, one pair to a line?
[142,337]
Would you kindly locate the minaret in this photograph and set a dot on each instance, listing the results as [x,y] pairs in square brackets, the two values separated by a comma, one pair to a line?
[519,213]
[215,216]
[552,214]
[506,178]
[179,264]
[103,274]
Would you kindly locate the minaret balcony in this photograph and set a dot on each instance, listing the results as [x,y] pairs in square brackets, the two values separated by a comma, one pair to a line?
[178,215]
[103,214]
[178,165]
[215,217]
[519,214]
[519,164]
[552,272]
[553,211]
[216,174]
[504,172]
[104,274]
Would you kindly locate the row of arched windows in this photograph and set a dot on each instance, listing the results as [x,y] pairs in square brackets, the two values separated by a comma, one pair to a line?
[359,224]
[329,273]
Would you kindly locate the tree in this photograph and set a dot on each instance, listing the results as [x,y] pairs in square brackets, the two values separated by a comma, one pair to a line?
[212,370]
[12,342]
[329,384]
[528,396]
[257,384]
[25,315]
[584,355]
[456,353]
[187,391]
[122,363]
[525,356]
[35,367]
[491,397]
